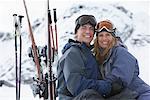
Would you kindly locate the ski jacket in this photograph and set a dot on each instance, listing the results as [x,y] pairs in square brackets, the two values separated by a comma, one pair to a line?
[77,70]
[121,65]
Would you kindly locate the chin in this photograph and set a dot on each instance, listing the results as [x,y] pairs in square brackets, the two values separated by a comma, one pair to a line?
[104,47]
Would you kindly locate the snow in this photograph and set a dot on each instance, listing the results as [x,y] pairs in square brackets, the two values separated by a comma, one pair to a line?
[7,93]
[141,24]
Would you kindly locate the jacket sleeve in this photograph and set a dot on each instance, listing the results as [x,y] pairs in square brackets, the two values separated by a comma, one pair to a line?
[124,67]
[75,80]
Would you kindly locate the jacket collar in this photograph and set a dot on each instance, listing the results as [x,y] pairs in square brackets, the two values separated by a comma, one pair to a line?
[72,42]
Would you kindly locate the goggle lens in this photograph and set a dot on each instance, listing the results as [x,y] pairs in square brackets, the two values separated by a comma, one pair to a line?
[84,19]
[105,26]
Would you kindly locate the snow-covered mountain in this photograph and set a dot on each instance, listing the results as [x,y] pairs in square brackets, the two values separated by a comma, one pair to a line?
[123,18]
[132,26]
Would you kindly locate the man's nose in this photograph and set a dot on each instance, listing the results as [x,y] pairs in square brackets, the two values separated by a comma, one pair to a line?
[87,33]
[87,30]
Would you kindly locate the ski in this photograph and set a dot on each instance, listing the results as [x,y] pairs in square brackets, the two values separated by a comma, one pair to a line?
[44,84]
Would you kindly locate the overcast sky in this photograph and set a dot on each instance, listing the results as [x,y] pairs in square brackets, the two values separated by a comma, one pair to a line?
[9,7]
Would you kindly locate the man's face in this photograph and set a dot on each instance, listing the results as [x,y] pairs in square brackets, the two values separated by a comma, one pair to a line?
[85,33]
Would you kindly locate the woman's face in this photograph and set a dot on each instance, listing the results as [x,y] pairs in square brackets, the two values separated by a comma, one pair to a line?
[104,39]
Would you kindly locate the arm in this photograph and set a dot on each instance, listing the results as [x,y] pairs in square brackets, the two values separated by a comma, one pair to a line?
[124,67]
[75,79]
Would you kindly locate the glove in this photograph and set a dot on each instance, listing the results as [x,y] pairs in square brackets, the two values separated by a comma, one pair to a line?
[104,87]
[116,88]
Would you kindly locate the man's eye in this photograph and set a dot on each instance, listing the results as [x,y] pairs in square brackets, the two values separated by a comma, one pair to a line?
[83,27]
[91,28]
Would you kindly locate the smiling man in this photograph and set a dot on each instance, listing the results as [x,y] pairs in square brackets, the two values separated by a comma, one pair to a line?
[77,69]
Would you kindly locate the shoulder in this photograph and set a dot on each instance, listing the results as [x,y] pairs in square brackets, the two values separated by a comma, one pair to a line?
[123,53]
[120,49]
[73,51]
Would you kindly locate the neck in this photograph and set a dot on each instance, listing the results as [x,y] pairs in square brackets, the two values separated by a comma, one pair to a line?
[101,50]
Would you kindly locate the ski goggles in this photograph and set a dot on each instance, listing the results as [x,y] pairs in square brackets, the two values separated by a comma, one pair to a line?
[105,26]
[84,19]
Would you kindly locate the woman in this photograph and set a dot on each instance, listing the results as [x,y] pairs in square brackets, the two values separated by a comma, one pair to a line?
[116,63]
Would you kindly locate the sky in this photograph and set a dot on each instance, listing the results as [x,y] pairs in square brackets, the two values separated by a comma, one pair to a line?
[10,7]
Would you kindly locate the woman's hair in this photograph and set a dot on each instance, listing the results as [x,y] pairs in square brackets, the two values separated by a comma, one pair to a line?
[100,56]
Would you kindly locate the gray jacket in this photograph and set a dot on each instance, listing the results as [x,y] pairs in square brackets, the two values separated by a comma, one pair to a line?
[77,71]
[120,64]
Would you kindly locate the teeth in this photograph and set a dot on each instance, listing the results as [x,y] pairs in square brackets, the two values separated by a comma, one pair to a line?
[105,42]
[87,36]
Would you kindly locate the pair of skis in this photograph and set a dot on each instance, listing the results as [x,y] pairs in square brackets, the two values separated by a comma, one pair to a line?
[45,84]
[17,25]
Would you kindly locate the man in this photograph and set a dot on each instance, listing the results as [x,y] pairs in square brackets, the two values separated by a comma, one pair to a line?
[77,69]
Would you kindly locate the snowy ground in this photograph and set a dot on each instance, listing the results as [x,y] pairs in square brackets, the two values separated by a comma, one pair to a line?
[7,93]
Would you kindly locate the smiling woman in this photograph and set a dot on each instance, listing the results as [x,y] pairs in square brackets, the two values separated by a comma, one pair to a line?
[115,62]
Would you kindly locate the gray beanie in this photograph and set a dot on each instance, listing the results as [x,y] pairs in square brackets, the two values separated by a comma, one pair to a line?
[85,19]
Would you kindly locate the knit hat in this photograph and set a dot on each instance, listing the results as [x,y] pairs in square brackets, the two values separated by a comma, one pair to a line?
[105,25]
[85,19]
